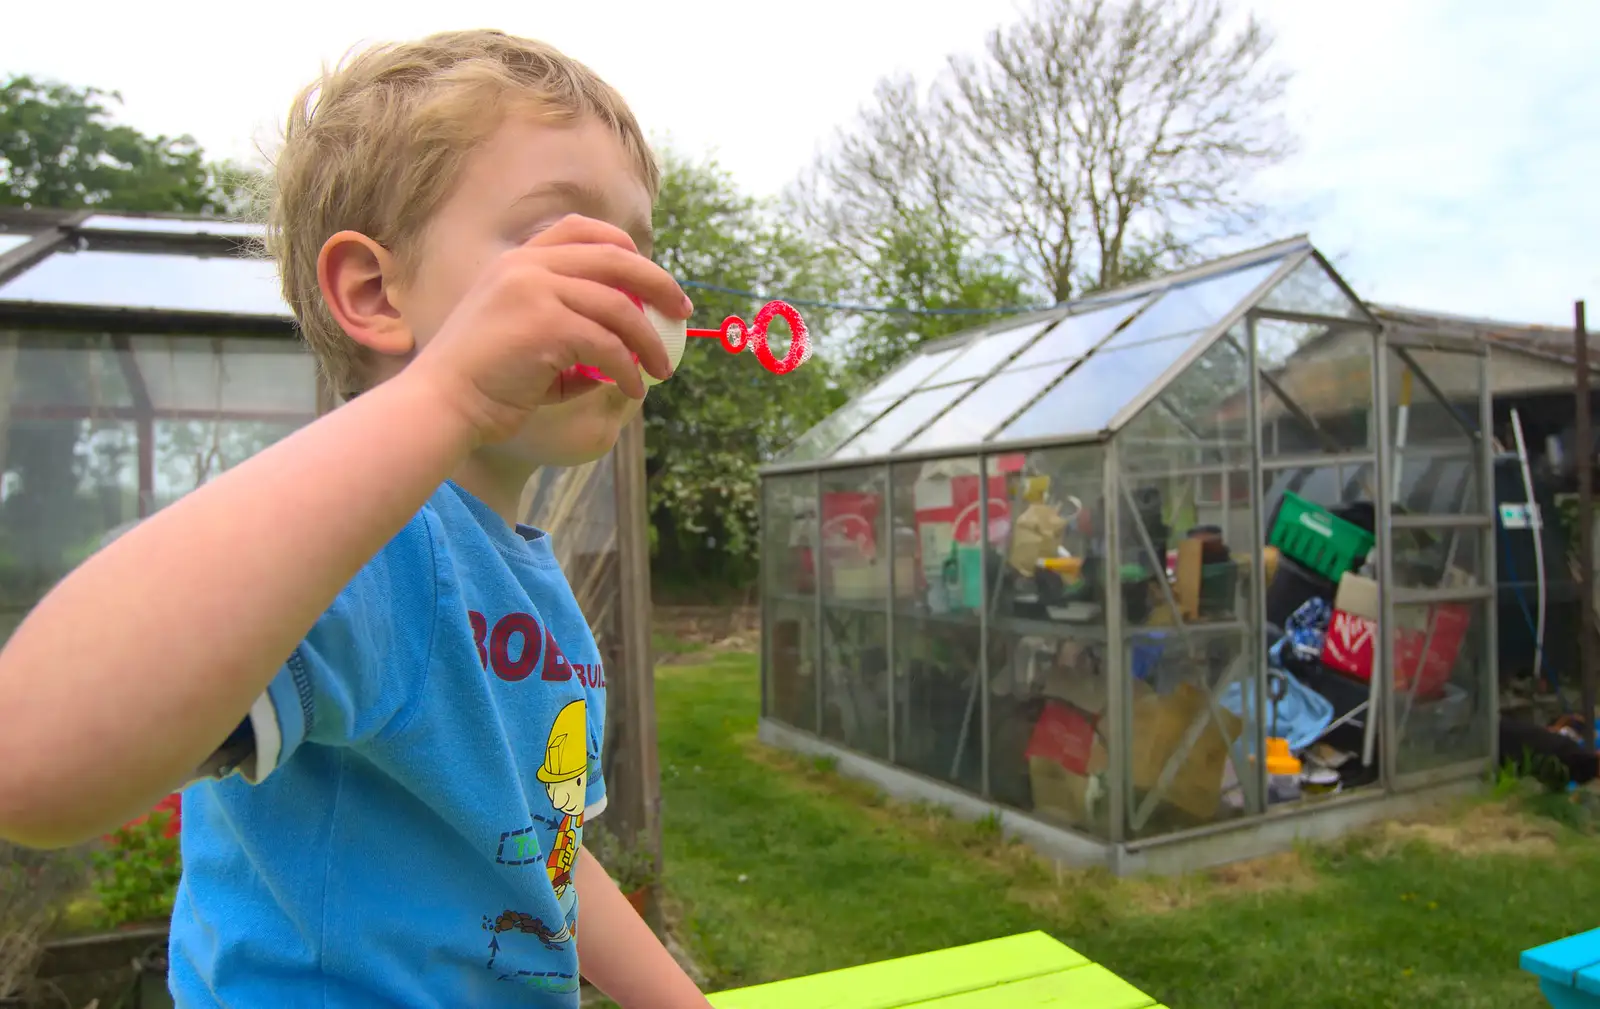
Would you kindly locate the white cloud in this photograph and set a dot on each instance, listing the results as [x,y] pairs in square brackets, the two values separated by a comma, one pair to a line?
[1447,155]
[1443,146]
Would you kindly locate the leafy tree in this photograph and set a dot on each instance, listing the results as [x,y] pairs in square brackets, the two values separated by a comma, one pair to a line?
[710,428]
[60,147]
[925,269]
[239,191]
[1094,142]
[888,201]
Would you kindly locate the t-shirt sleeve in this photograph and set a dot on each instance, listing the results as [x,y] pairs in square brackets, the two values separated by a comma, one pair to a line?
[594,799]
[356,670]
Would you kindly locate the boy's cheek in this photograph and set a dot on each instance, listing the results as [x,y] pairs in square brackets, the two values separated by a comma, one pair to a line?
[630,406]
[579,430]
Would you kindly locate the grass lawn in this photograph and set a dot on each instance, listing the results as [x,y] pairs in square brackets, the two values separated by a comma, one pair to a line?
[776,867]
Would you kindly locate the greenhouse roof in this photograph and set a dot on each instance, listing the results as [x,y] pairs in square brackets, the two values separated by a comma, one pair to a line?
[133,273]
[122,318]
[1075,372]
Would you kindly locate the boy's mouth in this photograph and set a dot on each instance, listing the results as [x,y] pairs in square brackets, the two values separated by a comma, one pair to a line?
[573,379]
[585,371]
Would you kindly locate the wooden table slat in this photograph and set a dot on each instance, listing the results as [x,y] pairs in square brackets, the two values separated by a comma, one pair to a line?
[891,984]
[1088,987]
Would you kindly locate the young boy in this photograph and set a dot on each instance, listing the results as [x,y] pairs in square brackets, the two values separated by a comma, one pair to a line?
[393,816]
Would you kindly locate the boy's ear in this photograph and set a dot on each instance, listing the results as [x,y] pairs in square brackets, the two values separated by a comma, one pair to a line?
[354,273]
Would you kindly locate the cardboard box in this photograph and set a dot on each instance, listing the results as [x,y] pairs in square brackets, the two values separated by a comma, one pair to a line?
[1061,795]
[1160,721]
[1063,755]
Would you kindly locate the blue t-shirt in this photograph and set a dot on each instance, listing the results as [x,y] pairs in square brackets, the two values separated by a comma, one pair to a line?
[404,831]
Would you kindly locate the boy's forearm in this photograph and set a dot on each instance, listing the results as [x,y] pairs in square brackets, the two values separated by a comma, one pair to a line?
[619,954]
[138,664]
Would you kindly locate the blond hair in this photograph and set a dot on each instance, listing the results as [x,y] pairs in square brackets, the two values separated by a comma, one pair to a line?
[377,143]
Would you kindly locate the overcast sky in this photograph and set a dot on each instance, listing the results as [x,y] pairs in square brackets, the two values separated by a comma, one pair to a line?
[1449,149]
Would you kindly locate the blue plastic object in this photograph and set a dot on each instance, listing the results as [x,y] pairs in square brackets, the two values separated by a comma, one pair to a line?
[1305,630]
[1568,970]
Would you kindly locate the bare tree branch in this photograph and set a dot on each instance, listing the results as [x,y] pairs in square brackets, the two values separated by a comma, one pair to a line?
[1094,142]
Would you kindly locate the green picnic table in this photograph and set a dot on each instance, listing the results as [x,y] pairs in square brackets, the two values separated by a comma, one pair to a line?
[1028,971]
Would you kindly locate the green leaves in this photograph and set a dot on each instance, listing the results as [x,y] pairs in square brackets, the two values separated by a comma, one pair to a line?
[709,428]
[138,872]
[60,148]
[632,867]
[926,264]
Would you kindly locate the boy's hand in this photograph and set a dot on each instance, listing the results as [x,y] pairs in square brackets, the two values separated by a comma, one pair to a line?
[545,307]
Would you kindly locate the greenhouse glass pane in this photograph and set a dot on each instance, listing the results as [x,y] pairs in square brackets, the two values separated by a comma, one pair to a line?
[843,424]
[986,407]
[1096,390]
[1077,334]
[1198,304]
[250,376]
[1311,290]
[11,241]
[895,426]
[167,226]
[1278,343]
[73,371]
[913,373]
[158,281]
[984,354]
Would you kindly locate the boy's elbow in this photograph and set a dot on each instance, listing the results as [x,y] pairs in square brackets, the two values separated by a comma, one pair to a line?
[41,840]
[35,822]
[31,832]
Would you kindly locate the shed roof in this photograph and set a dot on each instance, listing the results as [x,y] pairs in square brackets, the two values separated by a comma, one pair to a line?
[1552,343]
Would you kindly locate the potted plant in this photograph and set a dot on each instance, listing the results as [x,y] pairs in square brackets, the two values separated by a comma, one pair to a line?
[633,868]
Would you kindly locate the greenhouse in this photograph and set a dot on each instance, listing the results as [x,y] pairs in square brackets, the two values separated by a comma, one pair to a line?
[1163,577]
[139,356]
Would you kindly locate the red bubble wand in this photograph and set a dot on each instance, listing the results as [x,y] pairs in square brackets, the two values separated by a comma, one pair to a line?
[735,335]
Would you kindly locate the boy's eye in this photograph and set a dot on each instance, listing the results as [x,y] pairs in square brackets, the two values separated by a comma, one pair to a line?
[525,232]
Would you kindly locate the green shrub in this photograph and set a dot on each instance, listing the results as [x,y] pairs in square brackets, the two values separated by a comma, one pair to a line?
[631,867]
[137,874]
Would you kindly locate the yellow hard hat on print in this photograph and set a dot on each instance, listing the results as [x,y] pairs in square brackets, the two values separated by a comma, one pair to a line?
[566,755]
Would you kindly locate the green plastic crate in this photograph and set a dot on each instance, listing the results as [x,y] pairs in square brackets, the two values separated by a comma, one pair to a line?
[1317,539]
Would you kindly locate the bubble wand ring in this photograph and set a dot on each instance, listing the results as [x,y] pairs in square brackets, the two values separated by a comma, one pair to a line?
[735,336]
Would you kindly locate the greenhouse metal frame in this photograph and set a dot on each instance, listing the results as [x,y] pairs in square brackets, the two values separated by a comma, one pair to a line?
[1263,370]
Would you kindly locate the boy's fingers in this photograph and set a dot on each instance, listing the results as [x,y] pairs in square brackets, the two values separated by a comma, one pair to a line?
[575,229]
[617,313]
[598,347]
[609,264]
[571,384]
